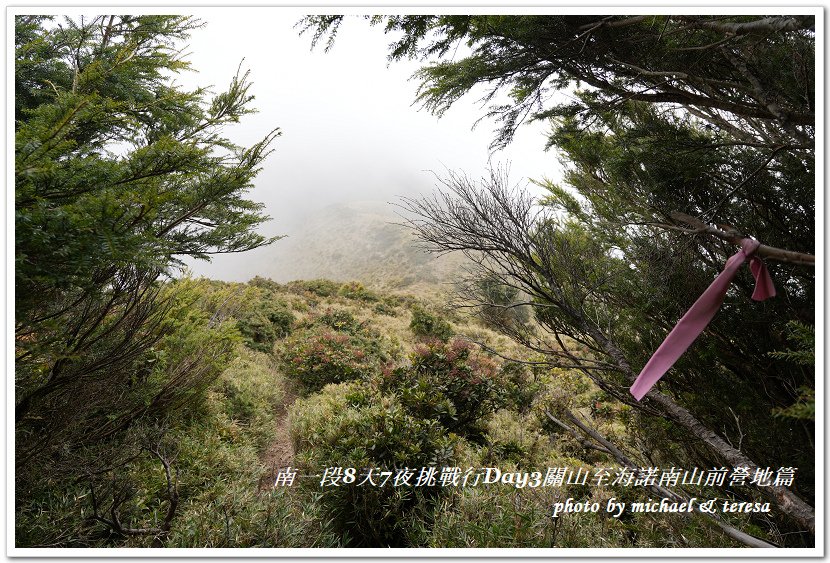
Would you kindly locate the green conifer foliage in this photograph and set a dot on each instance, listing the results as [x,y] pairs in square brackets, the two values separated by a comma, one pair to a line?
[119,175]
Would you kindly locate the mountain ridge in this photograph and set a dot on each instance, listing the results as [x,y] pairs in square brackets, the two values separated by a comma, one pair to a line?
[363,241]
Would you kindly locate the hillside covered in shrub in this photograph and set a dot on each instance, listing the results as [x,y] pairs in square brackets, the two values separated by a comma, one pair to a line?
[351,387]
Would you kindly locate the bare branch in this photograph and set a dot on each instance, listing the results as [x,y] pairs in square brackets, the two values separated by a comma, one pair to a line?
[119,498]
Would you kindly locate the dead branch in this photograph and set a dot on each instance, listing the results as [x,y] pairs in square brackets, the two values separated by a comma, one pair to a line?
[763,251]
[585,443]
[119,498]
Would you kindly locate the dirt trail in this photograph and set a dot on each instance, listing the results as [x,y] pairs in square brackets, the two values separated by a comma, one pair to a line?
[280,453]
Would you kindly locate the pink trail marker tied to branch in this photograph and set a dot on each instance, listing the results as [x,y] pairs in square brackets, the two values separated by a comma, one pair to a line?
[701,313]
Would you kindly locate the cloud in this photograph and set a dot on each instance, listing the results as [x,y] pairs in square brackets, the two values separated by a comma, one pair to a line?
[350,130]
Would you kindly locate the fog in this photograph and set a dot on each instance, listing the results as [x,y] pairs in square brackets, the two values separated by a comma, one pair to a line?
[350,131]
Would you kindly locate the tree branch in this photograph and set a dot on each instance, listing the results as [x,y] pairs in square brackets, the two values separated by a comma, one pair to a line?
[114,521]
[763,251]
[730,531]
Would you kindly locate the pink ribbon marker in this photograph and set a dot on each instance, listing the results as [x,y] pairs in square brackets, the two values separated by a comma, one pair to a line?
[701,313]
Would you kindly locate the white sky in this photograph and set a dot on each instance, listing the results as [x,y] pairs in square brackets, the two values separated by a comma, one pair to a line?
[350,131]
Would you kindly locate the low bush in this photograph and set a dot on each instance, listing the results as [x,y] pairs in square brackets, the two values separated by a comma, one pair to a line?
[426,325]
[318,355]
[333,347]
[263,325]
[449,383]
[520,386]
[265,283]
[340,320]
[319,287]
[351,425]
[500,309]
[384,308]
[356,290]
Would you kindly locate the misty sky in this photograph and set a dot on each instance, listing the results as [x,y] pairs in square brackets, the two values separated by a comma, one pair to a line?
[350,131]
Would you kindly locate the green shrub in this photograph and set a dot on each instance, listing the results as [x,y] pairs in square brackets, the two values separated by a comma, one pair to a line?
[500,310]
[319,287]
[189,359]
[265,283]
[602,406]
[257,332]
[425,325]
[340,320]
[282,319]
[353,426]
[384,308]
[262,326]
[318,355]
[520,388]
[356,290]
[450,383]
[516,439]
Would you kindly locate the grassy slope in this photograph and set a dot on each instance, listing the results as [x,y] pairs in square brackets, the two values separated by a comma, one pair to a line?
[229,448]
[234,505]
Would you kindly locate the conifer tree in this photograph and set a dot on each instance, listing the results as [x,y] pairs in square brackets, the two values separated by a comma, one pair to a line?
[119,175]
[680,135]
